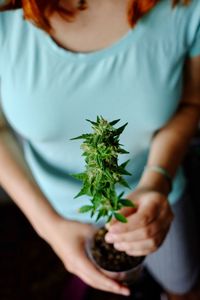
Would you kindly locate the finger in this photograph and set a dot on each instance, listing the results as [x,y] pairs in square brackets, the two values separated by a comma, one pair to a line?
[161,223]
[92,276]
[126,211]
[145,215]
[136,235]
[142,252]
[143,247]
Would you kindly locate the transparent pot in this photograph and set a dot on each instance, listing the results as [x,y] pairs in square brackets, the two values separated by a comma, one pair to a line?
[126,277]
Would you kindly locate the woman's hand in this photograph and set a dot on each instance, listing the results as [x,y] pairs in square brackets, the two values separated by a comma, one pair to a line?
[146,227]
[67,238]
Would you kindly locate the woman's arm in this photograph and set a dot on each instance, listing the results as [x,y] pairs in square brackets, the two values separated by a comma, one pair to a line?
[147,227]
[171,142]
[16,179]
[67,238]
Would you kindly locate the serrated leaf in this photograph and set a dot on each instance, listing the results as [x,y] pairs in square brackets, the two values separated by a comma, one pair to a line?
[127,203]
[120,217]
[85,208]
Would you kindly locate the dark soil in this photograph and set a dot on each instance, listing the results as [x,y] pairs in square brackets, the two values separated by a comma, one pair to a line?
[110,259]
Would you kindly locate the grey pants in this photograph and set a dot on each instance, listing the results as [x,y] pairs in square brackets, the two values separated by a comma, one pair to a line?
[176,264]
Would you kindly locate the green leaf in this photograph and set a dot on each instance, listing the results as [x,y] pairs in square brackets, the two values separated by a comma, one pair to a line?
[83,136]
[123,182]
[98,179]
[102,213]
[85,208]
[124,172]
[126,202]
[109,218]
[96,140]
[119,130]
[93,123]
[122,151]
[109,175]
[84,191]
[114,122]
[80,176]
[124,164]
[99,161]
[120,217]
[102,172]
[120,195]
[92,213]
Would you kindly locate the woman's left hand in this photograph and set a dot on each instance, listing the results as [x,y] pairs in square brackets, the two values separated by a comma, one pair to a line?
[147,226]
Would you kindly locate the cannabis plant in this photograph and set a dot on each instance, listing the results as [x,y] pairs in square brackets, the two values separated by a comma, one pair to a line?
[102,172]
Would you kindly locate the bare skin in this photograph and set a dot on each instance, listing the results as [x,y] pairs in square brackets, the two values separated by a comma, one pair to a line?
[93,28]
[92,31]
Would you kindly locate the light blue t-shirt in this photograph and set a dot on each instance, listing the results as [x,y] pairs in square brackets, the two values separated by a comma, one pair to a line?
[48,92]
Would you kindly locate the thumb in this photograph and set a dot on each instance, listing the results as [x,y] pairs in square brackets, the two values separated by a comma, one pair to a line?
[95,278]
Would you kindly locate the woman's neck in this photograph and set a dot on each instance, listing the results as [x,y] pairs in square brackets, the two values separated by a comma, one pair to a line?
[94,28]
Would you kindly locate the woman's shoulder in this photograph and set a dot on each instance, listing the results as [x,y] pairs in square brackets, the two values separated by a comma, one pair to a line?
[192,25]
[179,25]
[9,21]
[9,17]
[14,31]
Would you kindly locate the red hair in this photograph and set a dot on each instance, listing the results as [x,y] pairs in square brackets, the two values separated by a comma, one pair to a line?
[39,11]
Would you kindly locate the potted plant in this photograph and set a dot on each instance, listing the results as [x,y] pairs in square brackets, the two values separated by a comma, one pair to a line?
[101,149]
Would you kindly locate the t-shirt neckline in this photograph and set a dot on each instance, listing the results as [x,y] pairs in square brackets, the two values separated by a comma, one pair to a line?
[115,47]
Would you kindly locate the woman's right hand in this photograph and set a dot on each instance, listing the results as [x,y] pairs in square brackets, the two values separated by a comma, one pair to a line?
[67,238]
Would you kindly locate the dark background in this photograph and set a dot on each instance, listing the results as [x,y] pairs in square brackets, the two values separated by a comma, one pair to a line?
[30,270]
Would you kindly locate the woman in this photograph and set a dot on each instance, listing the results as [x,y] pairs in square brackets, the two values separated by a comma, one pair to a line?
[68,61]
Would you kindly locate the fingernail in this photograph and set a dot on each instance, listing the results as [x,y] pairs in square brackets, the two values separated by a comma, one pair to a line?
[109,238]
[107,226]
[126,292]
[116,246]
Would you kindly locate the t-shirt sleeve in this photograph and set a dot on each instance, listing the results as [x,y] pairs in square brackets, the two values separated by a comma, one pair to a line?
[1,43]
[194,31]
[195,46]
[1,40]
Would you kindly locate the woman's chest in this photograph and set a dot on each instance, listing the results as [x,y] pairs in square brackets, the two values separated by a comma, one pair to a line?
[49,92]
[46,99]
